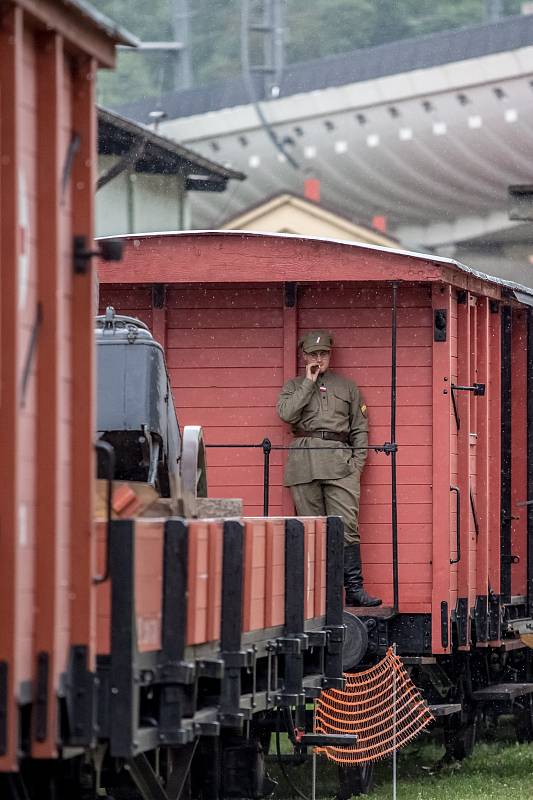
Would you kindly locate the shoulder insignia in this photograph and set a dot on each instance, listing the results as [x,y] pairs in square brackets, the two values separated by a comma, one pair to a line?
[363,409]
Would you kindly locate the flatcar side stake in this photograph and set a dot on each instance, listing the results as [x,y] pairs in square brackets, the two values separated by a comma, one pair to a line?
[109,453]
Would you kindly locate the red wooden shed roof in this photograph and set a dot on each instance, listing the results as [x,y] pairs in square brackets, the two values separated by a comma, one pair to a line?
[83,27]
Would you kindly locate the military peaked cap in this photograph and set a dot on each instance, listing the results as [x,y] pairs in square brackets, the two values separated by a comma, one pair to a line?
[315,341]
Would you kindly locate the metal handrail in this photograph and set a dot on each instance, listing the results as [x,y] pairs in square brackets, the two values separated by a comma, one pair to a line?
[458,523]
[267,447]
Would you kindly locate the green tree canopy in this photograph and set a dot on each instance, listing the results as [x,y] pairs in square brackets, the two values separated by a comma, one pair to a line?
[315,28]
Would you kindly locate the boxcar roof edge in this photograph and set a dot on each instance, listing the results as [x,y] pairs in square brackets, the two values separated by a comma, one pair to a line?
[522,294]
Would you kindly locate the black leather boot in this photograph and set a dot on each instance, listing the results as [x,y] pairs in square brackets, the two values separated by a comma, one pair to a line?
[353,579]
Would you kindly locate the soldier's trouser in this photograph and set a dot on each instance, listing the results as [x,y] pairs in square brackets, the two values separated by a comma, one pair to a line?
[338,498]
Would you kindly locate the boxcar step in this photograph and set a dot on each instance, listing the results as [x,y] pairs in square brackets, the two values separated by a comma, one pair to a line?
[445,709]
[502,691]
[365,611]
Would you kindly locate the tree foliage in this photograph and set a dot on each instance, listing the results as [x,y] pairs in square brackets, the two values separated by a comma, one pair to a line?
[314,28]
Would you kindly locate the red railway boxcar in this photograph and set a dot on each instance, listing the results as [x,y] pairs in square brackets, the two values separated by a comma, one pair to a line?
[136,636]
[124,647]
[49,53]
[455,567]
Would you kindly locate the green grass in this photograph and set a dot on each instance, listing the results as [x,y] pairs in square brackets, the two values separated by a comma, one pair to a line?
[500,770]
[496,771]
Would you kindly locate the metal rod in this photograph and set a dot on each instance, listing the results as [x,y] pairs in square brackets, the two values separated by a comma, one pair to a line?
[386,448]
[455,410]
[474,515]
[32,350]
[457,523]
[394,496]
[267,447]
[394,722]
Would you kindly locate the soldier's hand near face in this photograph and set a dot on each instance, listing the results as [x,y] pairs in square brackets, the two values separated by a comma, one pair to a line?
[311,371]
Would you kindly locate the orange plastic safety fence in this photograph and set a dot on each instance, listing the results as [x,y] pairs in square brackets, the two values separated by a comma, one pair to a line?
[381,706]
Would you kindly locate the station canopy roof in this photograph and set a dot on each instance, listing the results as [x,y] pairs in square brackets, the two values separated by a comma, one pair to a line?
[429,132]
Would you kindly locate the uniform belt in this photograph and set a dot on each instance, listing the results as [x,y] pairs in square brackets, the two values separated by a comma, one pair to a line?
[329,436]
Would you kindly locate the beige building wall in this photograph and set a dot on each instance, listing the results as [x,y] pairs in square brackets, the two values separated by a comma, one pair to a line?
[136,202]
[290,214]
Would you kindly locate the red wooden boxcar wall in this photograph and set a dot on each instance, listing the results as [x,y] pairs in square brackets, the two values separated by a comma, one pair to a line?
[229,351]
[47,76]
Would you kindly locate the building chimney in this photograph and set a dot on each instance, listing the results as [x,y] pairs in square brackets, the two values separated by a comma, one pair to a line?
[312,189]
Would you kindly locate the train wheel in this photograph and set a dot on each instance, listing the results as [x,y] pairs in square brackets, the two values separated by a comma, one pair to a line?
[355,641]
[355,781]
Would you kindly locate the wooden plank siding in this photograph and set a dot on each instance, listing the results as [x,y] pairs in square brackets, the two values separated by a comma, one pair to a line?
[136,301]
[360,321]
[220,344]
[51,565]
[82,362]
[485,443]
[229,350]
[13,516]
[27,193]
[42,205]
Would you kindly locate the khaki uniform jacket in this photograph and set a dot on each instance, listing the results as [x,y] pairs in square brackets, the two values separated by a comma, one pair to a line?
[333,403]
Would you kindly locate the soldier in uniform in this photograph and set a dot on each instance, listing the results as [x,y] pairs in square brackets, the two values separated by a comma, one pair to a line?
[326,411]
